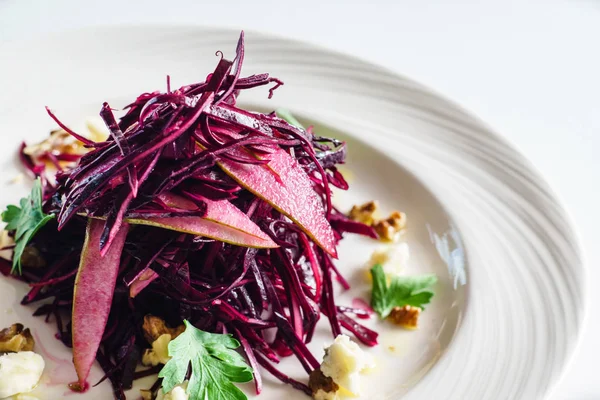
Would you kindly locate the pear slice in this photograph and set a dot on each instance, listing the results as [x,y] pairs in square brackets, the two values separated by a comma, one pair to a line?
[223,221]
[284,185]
[93,294]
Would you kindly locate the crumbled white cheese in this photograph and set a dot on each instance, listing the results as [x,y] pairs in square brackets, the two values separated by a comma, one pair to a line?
[393,258]
[177,393]
[6,241]
[19,372]
[159,354]
[323,395]
[343,362]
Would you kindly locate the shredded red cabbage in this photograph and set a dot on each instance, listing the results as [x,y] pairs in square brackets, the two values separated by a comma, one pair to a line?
[177,143]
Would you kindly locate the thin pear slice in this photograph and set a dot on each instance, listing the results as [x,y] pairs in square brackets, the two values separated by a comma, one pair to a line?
[223,221]
[285,186]
[93,294]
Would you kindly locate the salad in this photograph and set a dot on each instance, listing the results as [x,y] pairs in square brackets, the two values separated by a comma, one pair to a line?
[198,238]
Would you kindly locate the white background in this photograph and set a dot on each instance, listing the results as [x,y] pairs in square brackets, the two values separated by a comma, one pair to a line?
[531,70]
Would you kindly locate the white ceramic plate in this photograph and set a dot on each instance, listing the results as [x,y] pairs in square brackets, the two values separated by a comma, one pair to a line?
[509,303]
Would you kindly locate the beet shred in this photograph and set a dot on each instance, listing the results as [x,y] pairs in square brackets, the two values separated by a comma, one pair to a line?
[174,142]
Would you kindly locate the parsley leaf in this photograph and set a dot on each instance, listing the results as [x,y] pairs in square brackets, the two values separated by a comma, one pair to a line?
[25,221]
[402,291]
[287,116]
[215,365]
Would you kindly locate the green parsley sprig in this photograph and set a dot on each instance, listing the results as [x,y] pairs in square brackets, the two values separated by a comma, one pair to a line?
[26,221]
[402,291]
[214,363]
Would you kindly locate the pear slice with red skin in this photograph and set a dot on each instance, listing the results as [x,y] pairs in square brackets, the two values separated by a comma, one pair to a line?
[284,185]
[223,221]
[93,294]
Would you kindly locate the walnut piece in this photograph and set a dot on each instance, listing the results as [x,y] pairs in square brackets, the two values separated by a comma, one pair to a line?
[155,327]
[15,339]
[317,382]
[364,213]
[61,142]
[407,316]
[146,394]
[388,229]
[32,258]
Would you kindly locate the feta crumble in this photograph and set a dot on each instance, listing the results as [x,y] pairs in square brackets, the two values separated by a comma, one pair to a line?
[159,354]
[177,393]
[19,372]
[344,362]
[393,258]
[323,395]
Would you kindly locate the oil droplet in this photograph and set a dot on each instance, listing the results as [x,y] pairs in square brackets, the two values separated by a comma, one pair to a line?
[396,343]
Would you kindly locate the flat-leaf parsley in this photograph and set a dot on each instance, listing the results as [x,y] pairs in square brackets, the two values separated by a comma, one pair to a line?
[215,365]
[402,291]
[25,221]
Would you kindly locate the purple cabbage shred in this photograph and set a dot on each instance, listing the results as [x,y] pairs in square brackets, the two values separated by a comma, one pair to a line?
[270,299]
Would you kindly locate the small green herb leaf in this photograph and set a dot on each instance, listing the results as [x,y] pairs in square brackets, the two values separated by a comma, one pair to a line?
[402,291]
[215,365]
[25,221]
[287,116]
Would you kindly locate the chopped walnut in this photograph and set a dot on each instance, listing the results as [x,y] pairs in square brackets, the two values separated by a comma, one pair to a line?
[364,213]
[58,142]
[407,316]
[61,142]
[388,229]
[16,339]
[321,385]
[146,394]
[32,258]
[155,327]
